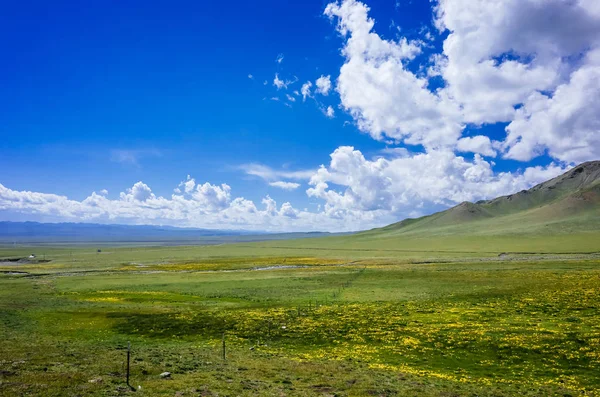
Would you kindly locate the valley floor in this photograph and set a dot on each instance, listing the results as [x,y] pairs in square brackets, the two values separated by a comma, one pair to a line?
[328,323]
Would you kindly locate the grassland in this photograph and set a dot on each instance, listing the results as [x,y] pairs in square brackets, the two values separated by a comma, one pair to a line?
[301,318]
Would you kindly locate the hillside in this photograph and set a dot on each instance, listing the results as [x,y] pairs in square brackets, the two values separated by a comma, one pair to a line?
[569,200]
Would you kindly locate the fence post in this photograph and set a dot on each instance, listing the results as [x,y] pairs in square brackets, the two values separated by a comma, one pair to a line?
[224,354]
[128,359]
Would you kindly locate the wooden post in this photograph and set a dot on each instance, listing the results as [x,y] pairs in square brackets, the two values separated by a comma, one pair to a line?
[224,356]
[128,359]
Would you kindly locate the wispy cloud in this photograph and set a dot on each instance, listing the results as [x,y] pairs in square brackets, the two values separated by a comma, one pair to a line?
[271,175]
[277,82]
[132,156]
[285,185]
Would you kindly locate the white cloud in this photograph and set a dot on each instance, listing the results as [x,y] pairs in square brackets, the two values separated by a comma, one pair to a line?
[498,53]
[251,77]
[358,193]
[288,211]
[208,206]
[138,192]
[529,63]
[385,98]
[305,90]
[104,192]
[393,188]
[270,205]
[213,197]
[279,58]
[541,58]
[323,84]
[567,124]
[285,185]
[277,82]
[271,175]
[395,152]
[329,112]
[477,144]
[202,205]
[290,98]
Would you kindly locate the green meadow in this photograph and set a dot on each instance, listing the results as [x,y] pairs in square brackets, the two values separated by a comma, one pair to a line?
[302,318]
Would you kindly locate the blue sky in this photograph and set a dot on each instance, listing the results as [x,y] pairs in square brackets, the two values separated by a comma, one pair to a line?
[101,96]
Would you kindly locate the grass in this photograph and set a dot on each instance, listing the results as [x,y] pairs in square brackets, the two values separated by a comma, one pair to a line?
[313,321]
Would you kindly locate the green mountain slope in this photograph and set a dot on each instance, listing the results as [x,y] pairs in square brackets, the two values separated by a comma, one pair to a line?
[567,202]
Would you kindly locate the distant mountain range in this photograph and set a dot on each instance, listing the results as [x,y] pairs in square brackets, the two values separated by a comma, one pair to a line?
[31,232]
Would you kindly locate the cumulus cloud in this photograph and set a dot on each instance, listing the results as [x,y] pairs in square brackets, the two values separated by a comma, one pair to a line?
[394,187]
[288,211]
[198,205]
[323,84]
[477,144]
[498,54]
[329,112]
[566,124]
[530,63]
[356,192]
[138,192]
[285,185]
[385,98]
[206,206]
[210,196]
